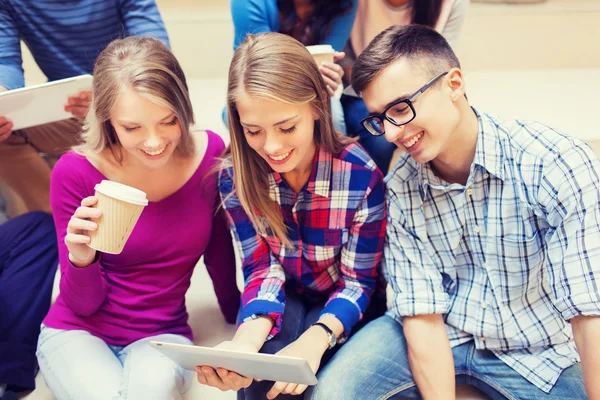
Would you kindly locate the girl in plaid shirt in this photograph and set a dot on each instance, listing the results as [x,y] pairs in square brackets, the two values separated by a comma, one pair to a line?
[306,208]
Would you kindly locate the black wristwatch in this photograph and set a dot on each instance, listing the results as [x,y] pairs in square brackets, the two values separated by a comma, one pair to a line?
[332,338]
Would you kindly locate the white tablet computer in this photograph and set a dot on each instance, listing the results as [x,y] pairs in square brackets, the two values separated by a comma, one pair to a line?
[41,104]
[252,365]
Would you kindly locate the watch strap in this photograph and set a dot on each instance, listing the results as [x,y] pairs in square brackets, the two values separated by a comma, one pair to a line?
[332,338]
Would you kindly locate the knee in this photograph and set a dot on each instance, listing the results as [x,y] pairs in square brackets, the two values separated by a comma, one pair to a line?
[158,381]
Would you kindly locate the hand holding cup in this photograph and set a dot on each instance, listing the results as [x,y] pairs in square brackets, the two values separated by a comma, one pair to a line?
[77,238]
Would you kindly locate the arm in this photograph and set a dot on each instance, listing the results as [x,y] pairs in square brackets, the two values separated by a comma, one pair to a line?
[585,330]
[341,27]
[263,296]
[5,125]
[570,197]
[82,287]
[430,356]
[142,18]
[220,263]
[360,256]
[264,276]
[11,70]
[358,269]
[419,301]
[252,16]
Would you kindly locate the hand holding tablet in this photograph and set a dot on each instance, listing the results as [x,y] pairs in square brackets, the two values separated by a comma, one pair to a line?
[49,102]
[79,105]
[231,366]
[222,378]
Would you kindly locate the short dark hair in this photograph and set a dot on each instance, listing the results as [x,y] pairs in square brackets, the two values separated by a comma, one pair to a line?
[417,43]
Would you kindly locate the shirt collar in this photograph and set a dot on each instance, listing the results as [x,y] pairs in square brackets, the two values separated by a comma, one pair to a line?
[488,154]
[319,180]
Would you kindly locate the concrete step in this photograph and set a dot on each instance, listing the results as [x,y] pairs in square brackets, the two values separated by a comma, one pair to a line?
[555,34]
[565,99]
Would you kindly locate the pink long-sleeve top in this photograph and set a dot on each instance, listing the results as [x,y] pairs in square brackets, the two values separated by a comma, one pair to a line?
[141,292]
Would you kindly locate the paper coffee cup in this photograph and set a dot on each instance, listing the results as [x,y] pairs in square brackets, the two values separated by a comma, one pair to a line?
[121,207]
[321,52]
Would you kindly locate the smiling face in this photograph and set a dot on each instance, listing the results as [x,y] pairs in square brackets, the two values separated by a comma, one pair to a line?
[148,132]
[436,112]
[281,133]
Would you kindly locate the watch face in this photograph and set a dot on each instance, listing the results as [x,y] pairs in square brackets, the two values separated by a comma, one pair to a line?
[332,341]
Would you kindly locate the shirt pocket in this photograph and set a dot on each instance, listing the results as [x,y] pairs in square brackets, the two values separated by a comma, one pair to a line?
[516,268]
[321,247]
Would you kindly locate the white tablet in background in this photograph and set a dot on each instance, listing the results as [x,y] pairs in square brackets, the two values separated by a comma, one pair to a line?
[252,365]
[41,104]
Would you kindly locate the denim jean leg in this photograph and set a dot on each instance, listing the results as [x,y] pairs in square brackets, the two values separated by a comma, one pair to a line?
[78,365]
[373,364]
[148,374]
[500,382]
[28,261]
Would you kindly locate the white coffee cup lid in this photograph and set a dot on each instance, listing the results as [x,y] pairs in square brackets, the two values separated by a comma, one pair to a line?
[320,49]
[122,192]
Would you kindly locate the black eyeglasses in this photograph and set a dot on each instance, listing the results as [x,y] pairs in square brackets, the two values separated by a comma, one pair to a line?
[399,113]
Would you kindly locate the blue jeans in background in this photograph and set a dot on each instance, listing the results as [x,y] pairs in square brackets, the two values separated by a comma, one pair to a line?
[373,364]
[377,147]
[28,261]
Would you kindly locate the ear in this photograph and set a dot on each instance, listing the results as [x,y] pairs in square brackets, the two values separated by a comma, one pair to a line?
[455,83]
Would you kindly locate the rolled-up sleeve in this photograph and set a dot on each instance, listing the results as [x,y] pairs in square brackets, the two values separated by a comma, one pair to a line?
[570,196]
[414,278]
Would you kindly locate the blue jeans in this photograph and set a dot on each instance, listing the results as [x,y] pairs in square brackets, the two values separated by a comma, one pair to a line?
[300,313]
[374,365]
[28,261]
[78,365]
[378,147]
[337,114]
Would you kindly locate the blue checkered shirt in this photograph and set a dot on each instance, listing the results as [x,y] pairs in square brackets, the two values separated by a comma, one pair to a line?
[510,257]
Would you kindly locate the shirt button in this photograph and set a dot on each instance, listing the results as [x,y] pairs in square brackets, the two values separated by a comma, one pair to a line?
[483,305]
[486,175]
[469,191]
[477,229]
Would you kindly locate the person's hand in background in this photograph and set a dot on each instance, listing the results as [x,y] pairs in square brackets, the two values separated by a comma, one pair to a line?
[79,105]
[332,73]
[5,125]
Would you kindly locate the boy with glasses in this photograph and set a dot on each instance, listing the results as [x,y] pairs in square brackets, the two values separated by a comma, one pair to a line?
[493,243]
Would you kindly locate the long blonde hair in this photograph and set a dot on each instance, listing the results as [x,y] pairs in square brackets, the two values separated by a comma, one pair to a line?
[276,67]
[148,66]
